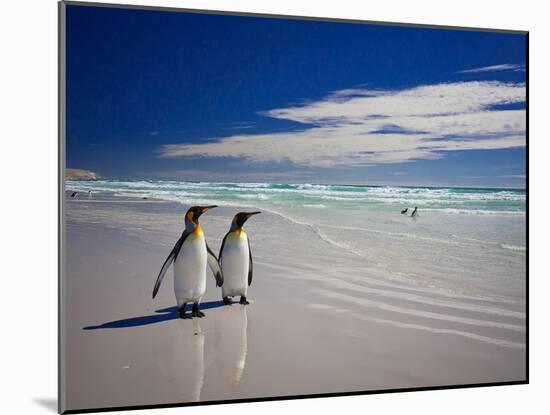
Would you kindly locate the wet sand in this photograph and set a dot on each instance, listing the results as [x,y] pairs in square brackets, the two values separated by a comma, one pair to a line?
[319,320]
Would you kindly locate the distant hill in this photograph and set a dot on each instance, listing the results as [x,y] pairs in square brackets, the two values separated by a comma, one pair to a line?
[80,174]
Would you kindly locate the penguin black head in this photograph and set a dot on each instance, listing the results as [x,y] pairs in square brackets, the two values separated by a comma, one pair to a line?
[194,213]
[240,218]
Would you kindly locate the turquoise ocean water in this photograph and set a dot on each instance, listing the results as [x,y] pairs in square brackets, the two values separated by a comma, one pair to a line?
[445,200]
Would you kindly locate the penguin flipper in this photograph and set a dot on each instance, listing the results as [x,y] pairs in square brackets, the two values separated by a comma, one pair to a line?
[223,244]
[171,258]
[250,265]
[214,266]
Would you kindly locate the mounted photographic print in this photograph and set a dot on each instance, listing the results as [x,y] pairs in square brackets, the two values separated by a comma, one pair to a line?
[259,207]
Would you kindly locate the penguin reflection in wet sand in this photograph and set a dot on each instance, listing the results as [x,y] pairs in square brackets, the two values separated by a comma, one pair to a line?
[190,256]
[236,260]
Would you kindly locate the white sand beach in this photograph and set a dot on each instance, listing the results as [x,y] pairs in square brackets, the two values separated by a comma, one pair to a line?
[321,319]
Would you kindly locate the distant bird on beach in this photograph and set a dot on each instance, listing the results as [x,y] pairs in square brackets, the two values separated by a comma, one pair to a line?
[404,211]
[74,194]
[89,194]
[236,260]
[190,256]
[415,212]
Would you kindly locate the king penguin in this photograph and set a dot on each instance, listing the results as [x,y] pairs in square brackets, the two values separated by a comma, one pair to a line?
[236,260]
[190,256]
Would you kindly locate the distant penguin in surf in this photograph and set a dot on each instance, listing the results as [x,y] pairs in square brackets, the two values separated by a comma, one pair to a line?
[415,212]
[236,260]
[74,194]
[404,211]
[190,256]
[89,194]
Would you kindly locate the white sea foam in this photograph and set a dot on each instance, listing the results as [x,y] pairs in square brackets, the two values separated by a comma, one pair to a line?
[477,212]
[393,234]
[315,229]
[513,247]
[253,197]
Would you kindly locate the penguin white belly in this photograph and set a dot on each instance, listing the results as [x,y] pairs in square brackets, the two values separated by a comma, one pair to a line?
[235,262]
[190,270]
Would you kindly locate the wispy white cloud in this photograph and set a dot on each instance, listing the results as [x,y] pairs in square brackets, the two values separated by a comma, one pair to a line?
[514,176]
[365,127]
[241,125]
[496,68]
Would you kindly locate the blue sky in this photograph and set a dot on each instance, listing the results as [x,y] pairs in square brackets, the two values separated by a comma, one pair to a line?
[187,96]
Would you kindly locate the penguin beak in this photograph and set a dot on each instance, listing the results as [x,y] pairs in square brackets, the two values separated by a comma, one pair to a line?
[247,216]
[202,209]
[206,208]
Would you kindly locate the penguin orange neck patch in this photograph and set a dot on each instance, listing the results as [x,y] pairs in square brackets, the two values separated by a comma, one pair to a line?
[238,232]
[190,217]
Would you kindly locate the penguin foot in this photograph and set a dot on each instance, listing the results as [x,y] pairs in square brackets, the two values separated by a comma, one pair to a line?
[196,312]
[243,301]
[182,313]
[227,301]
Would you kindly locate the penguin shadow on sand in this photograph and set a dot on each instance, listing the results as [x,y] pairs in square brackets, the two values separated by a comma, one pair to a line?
[162,315]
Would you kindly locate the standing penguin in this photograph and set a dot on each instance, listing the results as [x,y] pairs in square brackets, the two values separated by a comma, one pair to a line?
[236,260]
[415,212]
[190,256]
